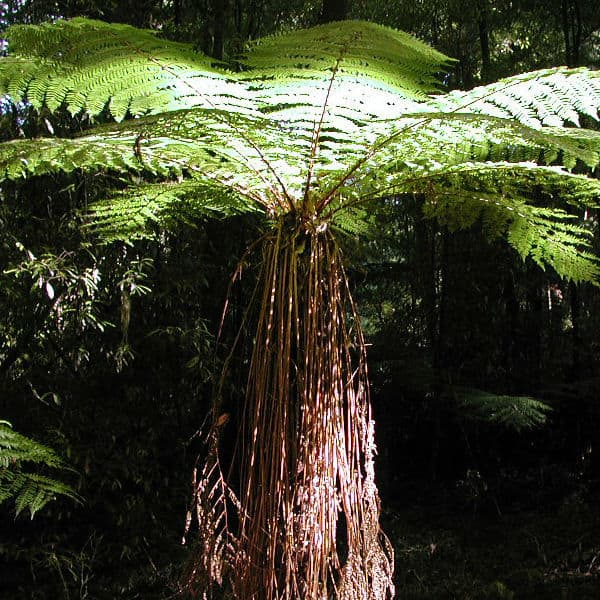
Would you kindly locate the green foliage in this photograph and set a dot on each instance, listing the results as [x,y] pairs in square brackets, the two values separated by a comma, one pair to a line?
[30,491]
[131,213]
[545,98]
[317,122]
[104,67]
[358,51]
[282,140]
[513,412]
[552,236]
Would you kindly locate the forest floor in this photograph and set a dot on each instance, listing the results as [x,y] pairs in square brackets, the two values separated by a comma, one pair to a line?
[456,547]
[481,553]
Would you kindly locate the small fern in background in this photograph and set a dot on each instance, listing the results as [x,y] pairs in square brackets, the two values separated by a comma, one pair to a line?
[30,491]
[513,412]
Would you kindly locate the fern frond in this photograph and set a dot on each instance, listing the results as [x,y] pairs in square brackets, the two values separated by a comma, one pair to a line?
[327,118]
[195,143]
[351,220]
[550,97]
[16,448]
[91,66]
[527,180]
[483,137]
[376,55]
[549,236]
[136,212]
[454,128]
[30,491]
[575,144]
[335,78]
[212,506]
[512,412]
[422,148]
[23,159]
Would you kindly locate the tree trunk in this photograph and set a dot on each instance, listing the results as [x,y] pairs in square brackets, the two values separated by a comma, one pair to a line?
[177,13]
[334,10]
[255,16]
[575,303]
[440,352]
[572,29]
[509,346]
[220,14]
[534,332]
[306,509]
[484,42]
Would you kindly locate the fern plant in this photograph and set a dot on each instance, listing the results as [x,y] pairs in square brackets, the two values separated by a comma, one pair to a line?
[308,129]
[511,412]
[30,491]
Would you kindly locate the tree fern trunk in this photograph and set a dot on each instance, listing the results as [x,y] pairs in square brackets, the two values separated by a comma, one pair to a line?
[311,526]
[307,504]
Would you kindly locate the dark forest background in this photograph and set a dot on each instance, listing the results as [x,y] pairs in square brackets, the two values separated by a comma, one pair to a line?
[107,353]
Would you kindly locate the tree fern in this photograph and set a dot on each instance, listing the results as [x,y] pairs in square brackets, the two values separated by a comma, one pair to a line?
[131,214]
[358,81]
[30,491]
[311,128]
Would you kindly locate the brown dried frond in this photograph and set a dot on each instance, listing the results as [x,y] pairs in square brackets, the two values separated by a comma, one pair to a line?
[311,506]
[308,515]
[214,544]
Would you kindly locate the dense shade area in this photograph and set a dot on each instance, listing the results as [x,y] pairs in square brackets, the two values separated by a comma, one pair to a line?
[110,352]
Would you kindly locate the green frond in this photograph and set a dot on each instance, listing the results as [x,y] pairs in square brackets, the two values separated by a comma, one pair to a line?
[468,136]
[575,144]
[548,184]
[17,448]
[350,220]
[337,77]
[359,51]
[512,412]
[30,491]
[322,120]
[385,154]
[422,148]
[417,146]
[550,97]
[497,196]
[265,165]
[137,211]
[89,65]
[23,159]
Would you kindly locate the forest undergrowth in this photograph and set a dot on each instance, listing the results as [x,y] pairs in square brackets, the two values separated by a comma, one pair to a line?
[467,544]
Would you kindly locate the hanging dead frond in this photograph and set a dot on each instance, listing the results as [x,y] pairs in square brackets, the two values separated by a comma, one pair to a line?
[212,503]
[309,508]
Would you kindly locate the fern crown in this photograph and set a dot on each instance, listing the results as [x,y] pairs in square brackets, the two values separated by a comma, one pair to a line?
[316,123]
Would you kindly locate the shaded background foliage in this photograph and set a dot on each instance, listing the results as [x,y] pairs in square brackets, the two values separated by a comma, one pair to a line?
[107,352]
